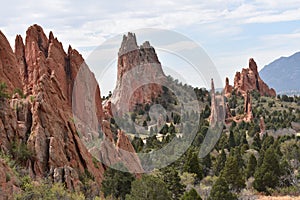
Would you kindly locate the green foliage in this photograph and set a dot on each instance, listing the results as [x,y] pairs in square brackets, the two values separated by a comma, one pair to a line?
[46,191]
[220,162]
[256,142]
[251,166]
[172,180]
[148,188]
[20,152]
[220,191]
[231,141]
[267,175]
[116,183]
[232,174]
[3,92]
[206,163]
[20,92]
[192,165]
[191,195]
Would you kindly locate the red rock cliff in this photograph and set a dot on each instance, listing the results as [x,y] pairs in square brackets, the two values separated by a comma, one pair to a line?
[44,119]
[54,83]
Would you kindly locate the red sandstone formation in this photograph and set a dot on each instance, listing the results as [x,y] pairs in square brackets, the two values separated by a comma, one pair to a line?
[249,80]
[9,73]
[228,88]
[140,76]
[248,108]
[44,120]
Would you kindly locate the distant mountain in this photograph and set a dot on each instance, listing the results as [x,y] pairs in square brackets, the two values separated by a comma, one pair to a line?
[283,74]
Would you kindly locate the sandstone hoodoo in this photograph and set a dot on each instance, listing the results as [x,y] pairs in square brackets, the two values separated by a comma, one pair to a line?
[217,107]
[249,80]
[140,75]
[40,115]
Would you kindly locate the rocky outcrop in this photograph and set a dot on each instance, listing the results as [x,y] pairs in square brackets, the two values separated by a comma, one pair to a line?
[228,88]
[43,119]
[248,108]
[9,72]
[262,126]
[140,76]
[8,181]
[60,114]
[217,111]
[249,80]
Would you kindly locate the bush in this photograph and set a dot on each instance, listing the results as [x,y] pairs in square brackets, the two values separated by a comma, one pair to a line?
[46,191]
[20,152]
[20,92]
[3,93]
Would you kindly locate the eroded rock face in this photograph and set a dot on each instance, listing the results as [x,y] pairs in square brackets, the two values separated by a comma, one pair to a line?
[218,110]
[248,108]
[9,72]
[140,76]
[228,88]
[262,126]
[8,181]
[44,119]
[51,74]
[249,80]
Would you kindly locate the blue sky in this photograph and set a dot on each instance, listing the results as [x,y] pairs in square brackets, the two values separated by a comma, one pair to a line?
[230,31]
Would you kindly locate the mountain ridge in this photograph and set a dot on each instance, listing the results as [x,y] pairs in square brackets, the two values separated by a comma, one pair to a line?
[283,74]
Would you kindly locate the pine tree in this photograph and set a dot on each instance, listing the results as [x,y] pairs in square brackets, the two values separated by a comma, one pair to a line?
[191,195]
[232,173]
[267,175]
[116,183]
[206,163]
[220,163]
[220,191]
[148,188]
[256,142]
[231,141]
[251,166]
[172,180]
[192,165]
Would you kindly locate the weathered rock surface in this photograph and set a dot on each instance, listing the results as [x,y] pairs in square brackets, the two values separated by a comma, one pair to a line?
[262,126]
[54,122]
[248,108]
[249,80]
[9,73]
[218,111]
[228,88]
[44,120]
[8,181]
[140,76]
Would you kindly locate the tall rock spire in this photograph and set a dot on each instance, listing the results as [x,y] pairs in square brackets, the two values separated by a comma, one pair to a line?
[140,75]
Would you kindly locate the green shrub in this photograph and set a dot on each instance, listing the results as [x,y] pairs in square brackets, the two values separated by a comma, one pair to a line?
[3,92]
[46,191]
[20,92]
[20,152]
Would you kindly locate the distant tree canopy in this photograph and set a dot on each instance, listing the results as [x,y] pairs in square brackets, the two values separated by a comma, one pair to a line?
[116,183]
[191,195]
[148,188]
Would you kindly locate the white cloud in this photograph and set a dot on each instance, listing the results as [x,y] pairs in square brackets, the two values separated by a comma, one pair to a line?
[289,15]
[214,23]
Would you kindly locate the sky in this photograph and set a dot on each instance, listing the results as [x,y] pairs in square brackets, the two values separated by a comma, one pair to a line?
[229,31]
